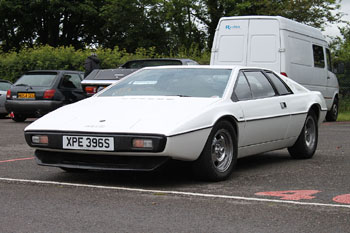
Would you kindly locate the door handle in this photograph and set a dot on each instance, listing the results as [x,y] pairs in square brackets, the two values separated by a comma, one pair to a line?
[328,77]
[283,105]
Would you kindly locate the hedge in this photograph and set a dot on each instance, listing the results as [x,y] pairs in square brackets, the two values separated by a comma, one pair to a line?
[13,64]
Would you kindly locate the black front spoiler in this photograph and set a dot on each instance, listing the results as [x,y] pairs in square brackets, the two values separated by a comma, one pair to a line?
[99,161]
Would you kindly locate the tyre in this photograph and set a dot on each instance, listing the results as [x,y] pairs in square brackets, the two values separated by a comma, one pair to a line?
[332,114]
[305,146]
[219,155]
[18,117]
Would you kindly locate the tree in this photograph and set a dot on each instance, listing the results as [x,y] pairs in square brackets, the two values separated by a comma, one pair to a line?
[312,12]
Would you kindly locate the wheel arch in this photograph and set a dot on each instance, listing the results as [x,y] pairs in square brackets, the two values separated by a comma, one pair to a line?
[232,120]
[317,110]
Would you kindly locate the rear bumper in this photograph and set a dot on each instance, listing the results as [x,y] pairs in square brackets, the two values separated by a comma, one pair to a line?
[32,107]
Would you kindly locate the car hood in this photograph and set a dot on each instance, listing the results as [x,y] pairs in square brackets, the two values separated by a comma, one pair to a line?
[151,115]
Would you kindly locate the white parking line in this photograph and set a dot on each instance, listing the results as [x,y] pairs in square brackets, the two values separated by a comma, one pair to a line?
[171,192]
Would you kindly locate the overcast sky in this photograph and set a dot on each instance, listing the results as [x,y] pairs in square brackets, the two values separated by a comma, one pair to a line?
[333,30]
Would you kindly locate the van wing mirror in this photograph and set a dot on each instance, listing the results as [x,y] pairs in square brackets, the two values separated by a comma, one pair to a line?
[339,68]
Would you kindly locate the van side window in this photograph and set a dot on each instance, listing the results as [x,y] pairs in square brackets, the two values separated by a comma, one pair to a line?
[259,84]
[242,89]
[318,56]
[279,84]
[329,60]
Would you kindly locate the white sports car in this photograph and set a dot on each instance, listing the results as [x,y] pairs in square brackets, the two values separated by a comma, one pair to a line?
[210,115]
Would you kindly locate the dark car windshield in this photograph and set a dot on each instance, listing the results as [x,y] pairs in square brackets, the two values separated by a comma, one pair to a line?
[36,79]
[138,64]
[202,82]
[4,86]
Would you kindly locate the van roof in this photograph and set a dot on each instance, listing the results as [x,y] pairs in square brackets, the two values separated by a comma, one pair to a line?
[285,24]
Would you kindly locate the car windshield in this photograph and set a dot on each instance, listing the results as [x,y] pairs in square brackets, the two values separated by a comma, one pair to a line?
[147,63]
[36,79]
[190,82]
[4,86]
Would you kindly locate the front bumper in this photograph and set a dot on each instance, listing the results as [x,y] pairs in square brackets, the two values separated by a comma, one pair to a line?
[32,107]
[99,162]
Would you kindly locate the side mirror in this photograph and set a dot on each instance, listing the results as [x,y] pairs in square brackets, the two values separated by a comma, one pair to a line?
[339,68]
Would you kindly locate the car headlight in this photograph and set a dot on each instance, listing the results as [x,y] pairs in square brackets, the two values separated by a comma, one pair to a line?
[40,139]
[142,143]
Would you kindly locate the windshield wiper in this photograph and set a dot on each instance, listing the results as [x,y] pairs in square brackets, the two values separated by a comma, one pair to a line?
[181,95]
[23,84]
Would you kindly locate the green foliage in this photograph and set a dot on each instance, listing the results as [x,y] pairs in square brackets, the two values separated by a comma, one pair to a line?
[13,64]
[166,25]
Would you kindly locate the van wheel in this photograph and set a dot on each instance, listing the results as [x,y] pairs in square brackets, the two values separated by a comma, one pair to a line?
[305,146]
[219,155]
[332,114]
[18,117]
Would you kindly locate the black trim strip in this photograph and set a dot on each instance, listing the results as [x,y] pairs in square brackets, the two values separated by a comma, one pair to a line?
[266,118]
[122,142]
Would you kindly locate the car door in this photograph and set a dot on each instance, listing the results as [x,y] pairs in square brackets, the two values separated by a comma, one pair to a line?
[71,88]
[266,112]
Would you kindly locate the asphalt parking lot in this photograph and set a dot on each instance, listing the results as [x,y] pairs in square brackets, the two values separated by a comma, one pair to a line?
[267,193]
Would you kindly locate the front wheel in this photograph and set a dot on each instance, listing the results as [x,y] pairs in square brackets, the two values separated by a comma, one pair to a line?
[332,114]
[219,155]
[305,146]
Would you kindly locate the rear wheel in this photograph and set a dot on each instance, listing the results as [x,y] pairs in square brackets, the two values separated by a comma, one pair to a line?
[219,155]
[305,146]
[332,114]
[18,117]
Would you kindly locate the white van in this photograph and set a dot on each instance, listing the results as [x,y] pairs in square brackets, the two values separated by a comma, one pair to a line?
[291,48]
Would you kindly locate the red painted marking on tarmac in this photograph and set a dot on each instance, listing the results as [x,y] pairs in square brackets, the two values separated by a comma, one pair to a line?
[13,160]
[294,195]
[344,199]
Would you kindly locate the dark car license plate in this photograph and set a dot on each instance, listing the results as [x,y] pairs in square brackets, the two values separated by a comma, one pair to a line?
[26,95]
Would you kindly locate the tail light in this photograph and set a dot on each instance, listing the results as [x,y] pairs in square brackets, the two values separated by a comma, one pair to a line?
[8,94]
[284,74]
[90,89]
[49,94]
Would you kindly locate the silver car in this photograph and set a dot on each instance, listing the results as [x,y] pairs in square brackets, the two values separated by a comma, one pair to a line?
[4,86]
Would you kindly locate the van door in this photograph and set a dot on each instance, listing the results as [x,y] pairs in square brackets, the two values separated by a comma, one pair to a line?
[230,45]
[264,44]
[332,83]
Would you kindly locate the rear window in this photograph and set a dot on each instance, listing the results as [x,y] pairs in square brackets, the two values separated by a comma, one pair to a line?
[140,64]
[4,86]
[36,79]
[109,74]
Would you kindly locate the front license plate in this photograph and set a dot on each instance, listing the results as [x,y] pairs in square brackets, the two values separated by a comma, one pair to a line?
[26,95]
[88,143]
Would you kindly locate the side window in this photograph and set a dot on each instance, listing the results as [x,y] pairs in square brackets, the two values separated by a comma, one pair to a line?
[242,89]
[318,56]
[71,81]
[279,84]
[329,60]
[259,84]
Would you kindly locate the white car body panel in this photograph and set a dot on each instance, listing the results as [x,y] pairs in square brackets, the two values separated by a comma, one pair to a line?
[186,122]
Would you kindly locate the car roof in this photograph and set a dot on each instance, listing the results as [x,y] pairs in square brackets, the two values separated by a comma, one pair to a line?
[56,71]
[5,81]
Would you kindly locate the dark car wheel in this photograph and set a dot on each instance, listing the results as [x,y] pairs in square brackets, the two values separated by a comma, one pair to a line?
[306,145]
[219,155]
[18,117]
[332,114]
